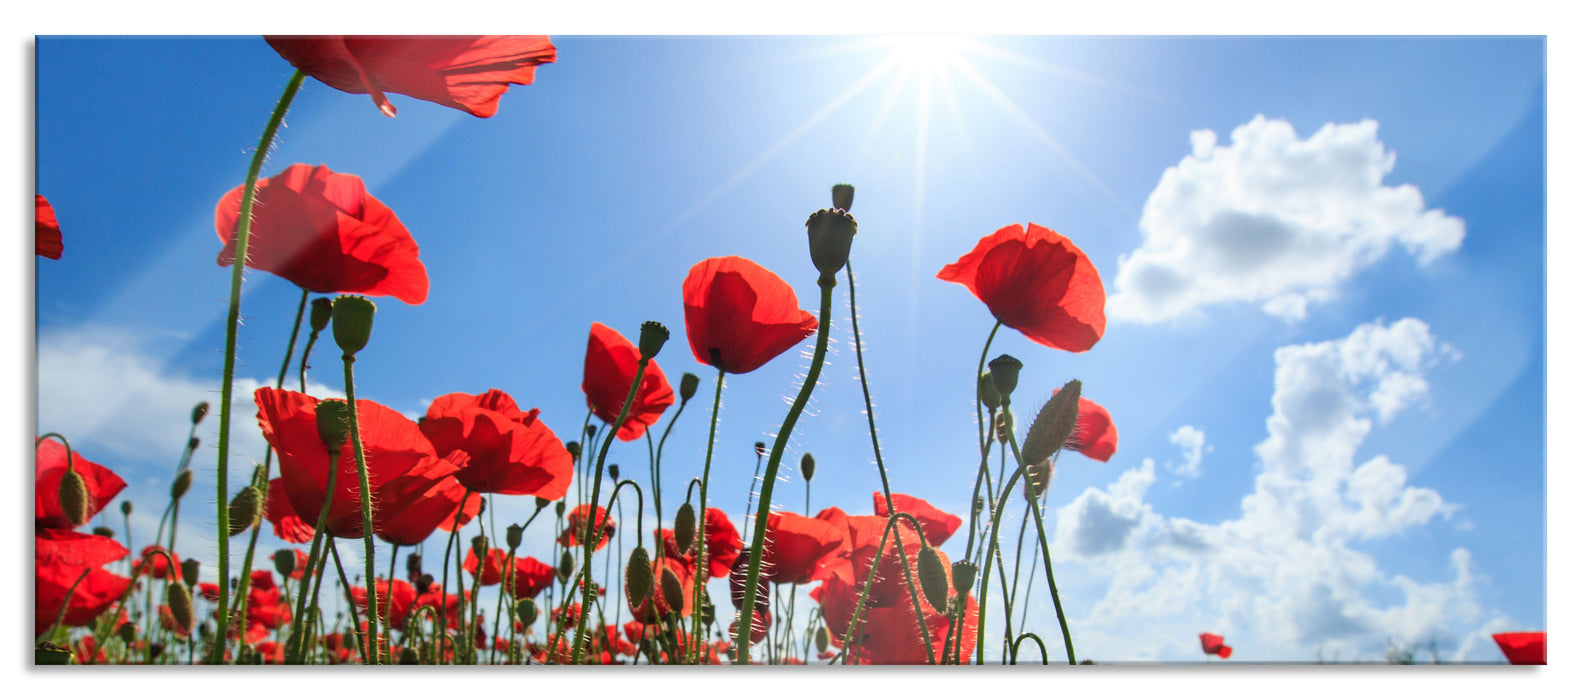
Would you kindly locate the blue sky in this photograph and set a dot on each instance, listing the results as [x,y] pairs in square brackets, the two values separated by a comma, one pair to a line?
[1401,340]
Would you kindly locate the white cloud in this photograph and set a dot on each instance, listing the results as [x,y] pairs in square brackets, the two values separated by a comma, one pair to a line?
[1275,220]
[1193,444]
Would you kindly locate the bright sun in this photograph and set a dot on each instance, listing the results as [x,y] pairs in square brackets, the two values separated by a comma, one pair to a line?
[924,53]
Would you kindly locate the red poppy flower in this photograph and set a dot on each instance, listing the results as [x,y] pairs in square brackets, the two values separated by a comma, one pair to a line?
[1038,282]
[49,467]
[394,611]
[278,511]
[401,463]
[740,315]
[577,524]
[1214,645]
[273,653]
[1524,648]
[493,566]
[724,543]
[796,545]
[158,566]
[88,651]
[938,525]
[1094,434]
[322,231]
[531,577]
[607,375]
[435,597]
[302,564]
[168,621]
[416,515]
[46,230]
[509,450]
[761,623]
[59,558]
[891,634]
[468,73]
[266,608]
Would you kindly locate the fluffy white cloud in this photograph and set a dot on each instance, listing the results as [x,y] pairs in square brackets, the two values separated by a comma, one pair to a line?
[1273,219]
[1287,577]
[1193,444]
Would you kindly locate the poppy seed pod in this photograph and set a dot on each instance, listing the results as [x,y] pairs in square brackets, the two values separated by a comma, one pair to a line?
[527,611]
[513,536]
[932,577]
[1053,425]
[560,509]
[179,598]
[807,466]
[332,415]
[156,649]
[423,583]
[414,564]
[245,508]
[821,639]
[73,494]
[352,321]
[408,657]
[615,472]
[189,572]
[841,195]
[1005,370]
[689,386]
[564,571]
[103,531]
[126,507]
[319,315]
[987,394]
[829,235]
[651,338]
[963,573]
[591,430]
[199,411]
[575,448]
[685,526]
[285,562]
[480,546]
[670,586]
[179,486]
[639,578]
[127,632]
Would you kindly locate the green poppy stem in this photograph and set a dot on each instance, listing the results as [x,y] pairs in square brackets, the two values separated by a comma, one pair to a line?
[372,657]
[700,575]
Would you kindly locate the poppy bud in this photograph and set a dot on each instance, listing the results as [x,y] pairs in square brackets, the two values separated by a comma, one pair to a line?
[932,577]
[564,571]
[821,639]
[73,494]
[199,411]
[480,546]
[759,448]
[245,508]
[1053,425]
[639,578]
[807,466]
[126,507]
[155,649]
[352,321]
[103,531]
[963,573]
[591,430]
[651,338]
[332,415]
[560,509]
[319,315]
[127,632]
[1005,370]
[987,394]
[513,536]
[189,572]
[670,586]
[414,565]
[575,448]
[829,234]
[689,386]
[408,657]
[707,616]
[1037,481]
[285,562]
[1004,425]
[423,583]
[179,598]
[527,611]
[841,195]
[686,526]
[178,488]
[615,472]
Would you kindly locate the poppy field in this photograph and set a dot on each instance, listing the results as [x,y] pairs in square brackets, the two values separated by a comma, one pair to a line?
[490,527]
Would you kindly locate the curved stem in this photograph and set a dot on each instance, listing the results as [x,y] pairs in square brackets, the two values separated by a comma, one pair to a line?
[228,374]
[1042,652]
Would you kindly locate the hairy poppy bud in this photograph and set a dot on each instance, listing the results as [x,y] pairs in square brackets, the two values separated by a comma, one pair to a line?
[414,565]
[639,578]
[651,338]
[932,577]
[513,536]
[179,598]
[178,488]
[245,508]
[829,234]
[685,526]
[199,411]
[821,639]
[527,611]
[575,448]
[319,315]
[963,573]
[408,657]
[1037,481]
[1053,425]
[480,546]
[560,509]
[127,632]
[564,571]
[689,386]
[760,449]
[1004,370]
[73,494]
[841,195]
[670,586]
[1004,425]
[332,416]
[189,572]
[987,394]
[352,321]
[103,531]
[126,507]
[807,466]
[285,562]
[615,472]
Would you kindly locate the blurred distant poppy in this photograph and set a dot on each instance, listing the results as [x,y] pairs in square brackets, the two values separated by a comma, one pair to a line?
[322,231]
[393,610]
[1214,645]
[1524,648]
[468,73]
[436,597]
[46,230]
[531,577]
[740,315]
[1038,282]
[577,524]
[796,544]
[158,565]
[59,558]
[938,525]
[607,374]
[49,467]
[509,451]
[1094,434]
[493,566]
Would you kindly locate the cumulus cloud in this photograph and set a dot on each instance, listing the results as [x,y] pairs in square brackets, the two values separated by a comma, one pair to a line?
[1193,444]
[1288,575]
[1275,220]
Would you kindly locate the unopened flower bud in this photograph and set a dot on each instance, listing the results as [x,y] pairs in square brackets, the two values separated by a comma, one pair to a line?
[821,639]
[352,321]
[126,507]
[591,430]
[156,649]
[670,586]
[103,531]
[575,448]
[513,536]
[841,195]
[480,546]
[319,314]
[1005,370]
[245,508]
[932,577]
[564,571]
[333,417]
[414,565]
[423,583]
[639,578]
[987,394]
[651,338]
[560,509]
[189,572]
[199,411]
[807,466]
[183,481]
[829,235]
[527,611]
[689,386]
[685,526]
[73,495]
[615,472]
[1053,425]
[127,632]
[408,657]
[963,573]
[179,598]
[285,562]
